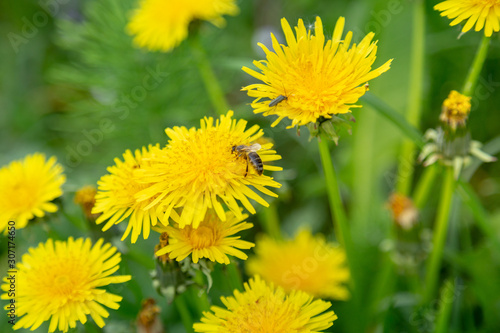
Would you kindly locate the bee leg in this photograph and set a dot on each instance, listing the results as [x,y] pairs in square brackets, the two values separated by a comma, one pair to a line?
[246,172]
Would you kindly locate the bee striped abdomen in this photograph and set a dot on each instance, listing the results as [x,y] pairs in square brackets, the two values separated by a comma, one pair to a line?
[256,161]
[249,152]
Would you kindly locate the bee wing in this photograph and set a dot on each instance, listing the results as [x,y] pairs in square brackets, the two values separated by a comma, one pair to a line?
[255,147]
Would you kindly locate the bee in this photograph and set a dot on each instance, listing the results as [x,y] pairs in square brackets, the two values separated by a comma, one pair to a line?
[250,154]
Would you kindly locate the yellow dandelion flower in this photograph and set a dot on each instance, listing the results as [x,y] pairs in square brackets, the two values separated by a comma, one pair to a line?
[305,263]
[308,79]
[58,281]
[213,239]
[199,168]
[161,25]
[482,13]
[455,110]
[85,197]
[264,308]
[28,187]
[116,196]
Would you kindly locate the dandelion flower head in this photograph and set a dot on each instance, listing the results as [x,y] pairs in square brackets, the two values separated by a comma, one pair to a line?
[59,281]
[28,187]
[306,263]
[199,170]
[481,13]
[116,196]
[213,239]
[161,25]
[264,308]
[317,79]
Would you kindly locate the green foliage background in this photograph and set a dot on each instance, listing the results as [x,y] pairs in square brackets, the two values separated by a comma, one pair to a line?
[67,77]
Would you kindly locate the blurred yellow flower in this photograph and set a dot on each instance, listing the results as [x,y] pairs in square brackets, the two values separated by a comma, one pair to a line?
[161,25]
[482,13]
[305,263]
[85,197]
[58,281]
[455,110]
[199,168]
[116,196]
[213,239]
[27,189]
[308,79]
[264,308]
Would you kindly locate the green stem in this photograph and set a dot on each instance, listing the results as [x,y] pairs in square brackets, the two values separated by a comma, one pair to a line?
[186,318]
[440,232]
[234,275]
[446,304]
[340,226]
[477,65]
[414,97]
[424,186]
[212,85]
[384,283]
[481,217]
[271,221]
[395,118]
[199,298]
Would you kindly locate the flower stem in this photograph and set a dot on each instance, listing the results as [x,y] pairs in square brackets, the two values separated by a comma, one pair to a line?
[187,320]
[199,298]
[477,65]
[340,226]
[396,118]
[271,223]
[406,160]
[212,85]
[446,305]
[481,216]
[235,281]
[440,232]
[424,186]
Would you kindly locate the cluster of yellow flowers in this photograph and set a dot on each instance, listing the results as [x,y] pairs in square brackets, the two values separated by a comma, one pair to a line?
[196,187]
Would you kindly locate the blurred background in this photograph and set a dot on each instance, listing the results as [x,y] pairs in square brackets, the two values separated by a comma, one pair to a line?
[72,85]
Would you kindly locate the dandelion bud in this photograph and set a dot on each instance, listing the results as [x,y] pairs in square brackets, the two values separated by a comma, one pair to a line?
[455,110]
[164,258]
[148,320]
[403,211]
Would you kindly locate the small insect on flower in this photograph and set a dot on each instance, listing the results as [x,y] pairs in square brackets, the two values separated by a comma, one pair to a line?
[250,154]
[277,100]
